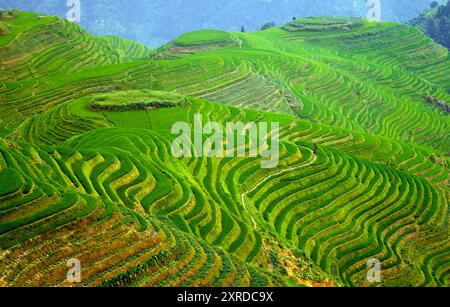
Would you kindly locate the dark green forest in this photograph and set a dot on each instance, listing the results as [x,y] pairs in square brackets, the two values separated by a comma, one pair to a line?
[436,23]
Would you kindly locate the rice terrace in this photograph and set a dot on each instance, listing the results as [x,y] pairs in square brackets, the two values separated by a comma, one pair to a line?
[89,179]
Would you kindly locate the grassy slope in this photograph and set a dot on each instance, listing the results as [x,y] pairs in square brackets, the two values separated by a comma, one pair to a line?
[378,187]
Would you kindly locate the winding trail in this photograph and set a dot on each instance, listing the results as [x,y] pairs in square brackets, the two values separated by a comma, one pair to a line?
[255,225]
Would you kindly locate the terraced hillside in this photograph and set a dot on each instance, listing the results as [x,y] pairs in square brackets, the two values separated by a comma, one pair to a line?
[87,171]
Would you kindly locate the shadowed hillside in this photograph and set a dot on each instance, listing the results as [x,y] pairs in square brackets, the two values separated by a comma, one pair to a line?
[436,23]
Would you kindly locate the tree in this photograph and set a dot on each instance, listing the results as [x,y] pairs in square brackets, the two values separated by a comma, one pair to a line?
[432,29]
[434,4]
[444,31]
[268,25]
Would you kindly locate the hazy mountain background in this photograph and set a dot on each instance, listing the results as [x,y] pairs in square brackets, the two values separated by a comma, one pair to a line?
[158,21]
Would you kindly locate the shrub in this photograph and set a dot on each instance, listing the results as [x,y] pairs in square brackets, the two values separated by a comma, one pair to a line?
[274,259]
[137,100]
[268,25]
[9,14]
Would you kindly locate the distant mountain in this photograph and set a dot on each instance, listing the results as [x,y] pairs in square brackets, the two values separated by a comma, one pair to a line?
[156,22]
[436,23]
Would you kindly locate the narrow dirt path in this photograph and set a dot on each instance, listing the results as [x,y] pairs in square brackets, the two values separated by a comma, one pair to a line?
[255,225]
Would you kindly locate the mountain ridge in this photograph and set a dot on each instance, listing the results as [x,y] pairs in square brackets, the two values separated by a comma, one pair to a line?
[156,23]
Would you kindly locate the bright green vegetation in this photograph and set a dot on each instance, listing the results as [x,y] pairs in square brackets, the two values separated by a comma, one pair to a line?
[136,100]
[189,43]
[11,181]
[320,24]
[203,37]
[127,47]
[103,187]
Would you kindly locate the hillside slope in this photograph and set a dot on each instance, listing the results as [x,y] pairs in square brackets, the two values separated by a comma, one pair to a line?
[102,186]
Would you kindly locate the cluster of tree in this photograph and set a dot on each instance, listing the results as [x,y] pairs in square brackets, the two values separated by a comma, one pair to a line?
[159,21]
[6,14]
[441,104]
[268,25]
[132,106]
[436,23]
